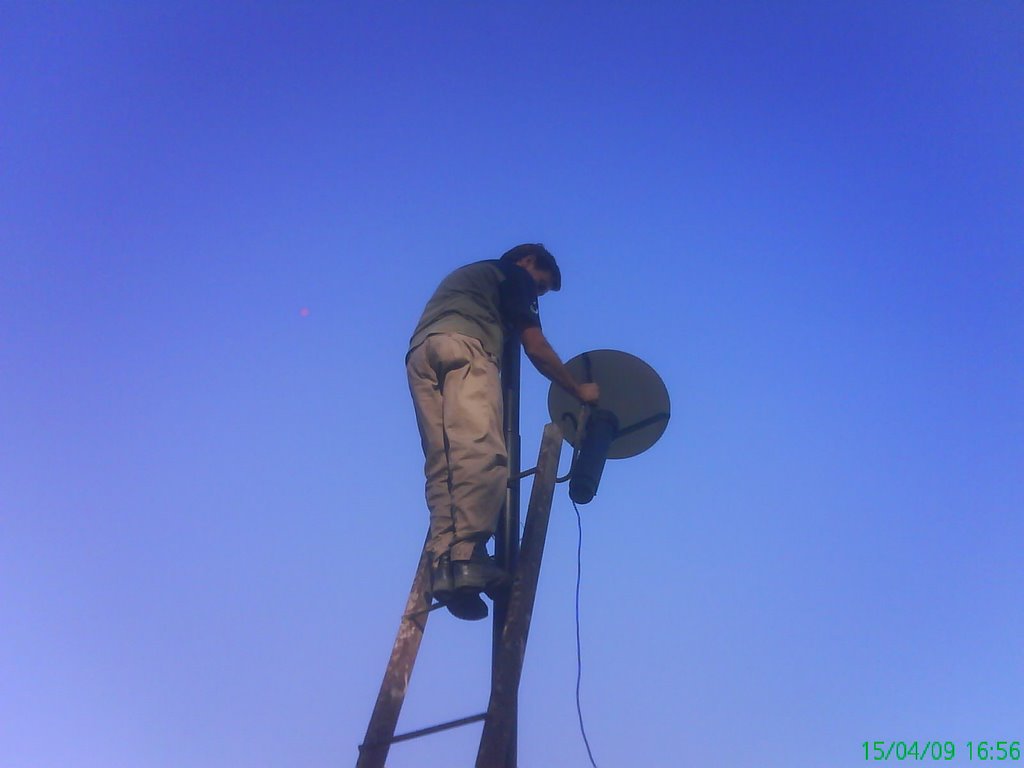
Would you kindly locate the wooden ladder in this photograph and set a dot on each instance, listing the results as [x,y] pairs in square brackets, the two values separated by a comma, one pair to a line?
[499,719]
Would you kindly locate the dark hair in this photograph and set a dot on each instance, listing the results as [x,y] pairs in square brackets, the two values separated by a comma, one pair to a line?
[542,258]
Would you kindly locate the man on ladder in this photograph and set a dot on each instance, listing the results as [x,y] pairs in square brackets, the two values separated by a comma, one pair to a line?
[453,367]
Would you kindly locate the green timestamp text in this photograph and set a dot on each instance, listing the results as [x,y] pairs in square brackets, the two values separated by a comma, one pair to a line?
[941,750]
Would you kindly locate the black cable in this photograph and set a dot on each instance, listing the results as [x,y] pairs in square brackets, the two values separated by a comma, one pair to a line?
[579,654]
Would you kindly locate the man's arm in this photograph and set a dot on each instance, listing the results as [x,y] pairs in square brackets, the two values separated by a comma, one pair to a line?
[546,360]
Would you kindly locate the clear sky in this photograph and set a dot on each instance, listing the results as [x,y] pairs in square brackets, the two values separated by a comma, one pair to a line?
[218,225]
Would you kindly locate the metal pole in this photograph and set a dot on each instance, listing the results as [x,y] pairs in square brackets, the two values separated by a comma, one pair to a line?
[506,538]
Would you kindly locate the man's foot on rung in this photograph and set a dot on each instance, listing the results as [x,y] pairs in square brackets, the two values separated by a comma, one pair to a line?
[480,574]
[467,605]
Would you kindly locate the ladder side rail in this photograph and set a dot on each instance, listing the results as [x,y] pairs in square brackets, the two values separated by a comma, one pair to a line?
[381,730]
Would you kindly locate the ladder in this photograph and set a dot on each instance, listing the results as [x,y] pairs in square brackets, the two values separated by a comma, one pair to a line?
[496,741]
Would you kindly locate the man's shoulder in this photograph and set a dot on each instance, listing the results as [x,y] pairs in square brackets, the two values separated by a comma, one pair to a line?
[496,267]
[513,272]
[485,266]
[487,270]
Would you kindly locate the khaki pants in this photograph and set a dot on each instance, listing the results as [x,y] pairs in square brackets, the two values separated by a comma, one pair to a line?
[456,390]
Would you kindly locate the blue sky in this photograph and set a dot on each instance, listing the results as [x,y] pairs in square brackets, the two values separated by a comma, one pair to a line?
[805,216]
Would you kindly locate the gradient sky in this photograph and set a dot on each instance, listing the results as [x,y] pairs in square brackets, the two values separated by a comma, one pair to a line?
[218,226]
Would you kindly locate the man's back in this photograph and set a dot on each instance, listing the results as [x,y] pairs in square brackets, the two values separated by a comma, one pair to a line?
[476,300]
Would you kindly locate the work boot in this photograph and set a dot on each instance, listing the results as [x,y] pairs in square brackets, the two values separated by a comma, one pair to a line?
[441,585]
[468,606]
[479,574]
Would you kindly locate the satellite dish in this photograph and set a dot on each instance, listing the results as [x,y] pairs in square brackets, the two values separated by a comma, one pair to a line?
[630,389]
[630,416]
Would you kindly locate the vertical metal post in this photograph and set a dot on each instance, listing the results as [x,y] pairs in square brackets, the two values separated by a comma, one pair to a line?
[506,539]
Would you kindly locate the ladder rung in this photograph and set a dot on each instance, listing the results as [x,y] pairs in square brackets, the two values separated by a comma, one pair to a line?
[428,731]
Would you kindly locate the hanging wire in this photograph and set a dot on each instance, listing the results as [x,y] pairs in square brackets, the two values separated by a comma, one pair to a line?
[579,654]
[577,423]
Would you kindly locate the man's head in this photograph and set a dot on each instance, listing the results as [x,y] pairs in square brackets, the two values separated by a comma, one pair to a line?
[538,261]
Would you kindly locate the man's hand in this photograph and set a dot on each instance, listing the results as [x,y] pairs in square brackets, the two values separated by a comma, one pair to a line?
[587,393]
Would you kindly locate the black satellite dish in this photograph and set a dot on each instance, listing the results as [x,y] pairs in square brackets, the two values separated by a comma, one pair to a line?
[630,417]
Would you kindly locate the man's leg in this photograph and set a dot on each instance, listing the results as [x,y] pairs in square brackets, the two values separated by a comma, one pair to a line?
[477,460]
[429,366]
[426,396]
